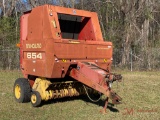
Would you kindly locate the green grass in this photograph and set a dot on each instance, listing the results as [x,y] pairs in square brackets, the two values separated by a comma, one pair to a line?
[140,92]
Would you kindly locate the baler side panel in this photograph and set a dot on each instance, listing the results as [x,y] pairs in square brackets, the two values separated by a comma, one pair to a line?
[34,57]
[56,32]
[99,51]
[23,34]
[87,32]
[78,50]
[35,24]
[96,27]
[24,26]
[69,51]
[47,31]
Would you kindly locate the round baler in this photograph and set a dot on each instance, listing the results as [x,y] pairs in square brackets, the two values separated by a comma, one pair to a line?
[63,54]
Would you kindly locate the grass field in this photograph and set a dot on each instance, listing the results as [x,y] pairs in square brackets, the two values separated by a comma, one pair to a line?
[140,92]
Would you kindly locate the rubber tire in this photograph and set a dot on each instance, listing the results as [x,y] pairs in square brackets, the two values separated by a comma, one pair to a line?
[38,99]
[25,94]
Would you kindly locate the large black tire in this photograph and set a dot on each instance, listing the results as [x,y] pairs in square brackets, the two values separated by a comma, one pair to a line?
[35,99]
[22,90]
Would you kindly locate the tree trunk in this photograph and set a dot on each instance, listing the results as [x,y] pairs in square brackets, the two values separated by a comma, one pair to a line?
[4,8]
[61,3]
[72,3]
[82,4]
[10,10]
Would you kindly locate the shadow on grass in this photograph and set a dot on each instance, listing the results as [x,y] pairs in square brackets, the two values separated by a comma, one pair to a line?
[82,97]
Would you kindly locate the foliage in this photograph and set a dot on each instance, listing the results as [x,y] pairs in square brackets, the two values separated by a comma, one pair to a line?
[7,32]
[128,24]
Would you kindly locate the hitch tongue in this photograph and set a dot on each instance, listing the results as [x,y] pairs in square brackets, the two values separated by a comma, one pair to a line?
[116,99]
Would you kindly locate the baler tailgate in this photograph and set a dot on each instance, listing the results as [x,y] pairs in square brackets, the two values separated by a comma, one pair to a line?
[97,78]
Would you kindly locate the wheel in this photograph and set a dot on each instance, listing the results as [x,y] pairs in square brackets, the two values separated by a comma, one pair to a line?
[35,99]
[22,90]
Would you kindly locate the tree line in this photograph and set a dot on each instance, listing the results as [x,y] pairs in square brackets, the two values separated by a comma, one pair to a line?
[132,25]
